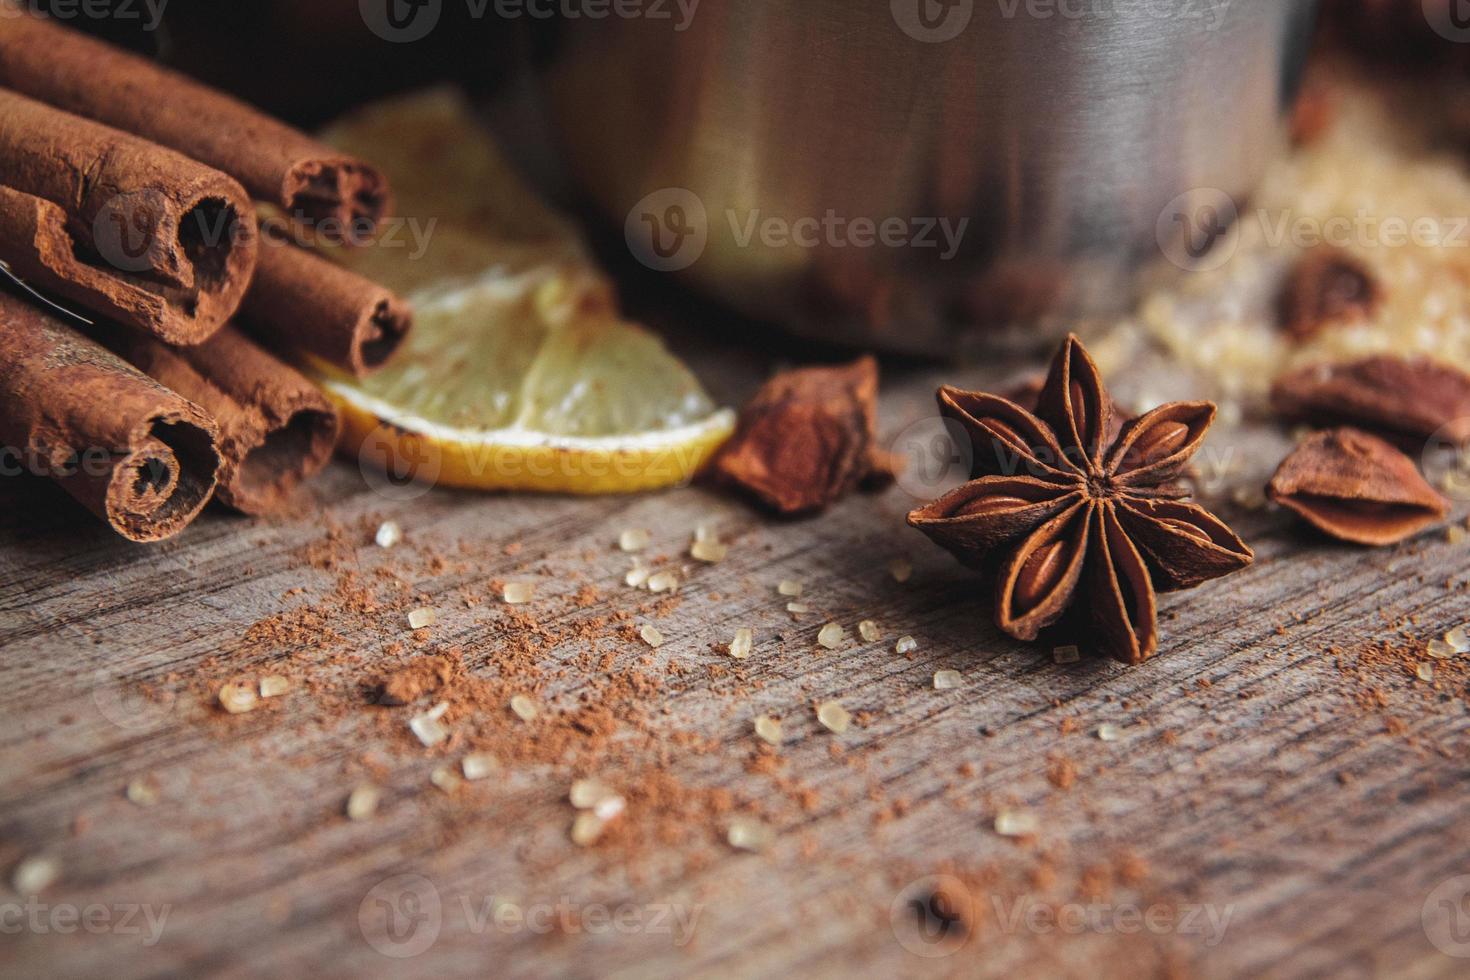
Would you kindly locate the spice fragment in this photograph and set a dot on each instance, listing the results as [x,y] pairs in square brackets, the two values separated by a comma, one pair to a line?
[1066,655]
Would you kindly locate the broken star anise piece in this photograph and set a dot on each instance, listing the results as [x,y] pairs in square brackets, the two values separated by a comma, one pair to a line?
[1403,398]
[1074,519]
[1356,487]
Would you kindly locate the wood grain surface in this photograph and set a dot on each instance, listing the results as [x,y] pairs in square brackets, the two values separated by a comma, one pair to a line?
[1280,803]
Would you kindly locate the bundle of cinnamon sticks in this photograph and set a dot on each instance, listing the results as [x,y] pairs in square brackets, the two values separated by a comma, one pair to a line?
[128,195]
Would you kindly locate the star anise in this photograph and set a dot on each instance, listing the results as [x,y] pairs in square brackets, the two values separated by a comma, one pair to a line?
[1076,523]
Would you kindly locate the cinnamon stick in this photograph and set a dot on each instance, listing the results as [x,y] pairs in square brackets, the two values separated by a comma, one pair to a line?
[303,302]
[132,231]
[136,454]
[275,426]
[340,194]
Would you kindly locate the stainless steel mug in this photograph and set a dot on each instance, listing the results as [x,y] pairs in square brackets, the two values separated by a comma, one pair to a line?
[919,174]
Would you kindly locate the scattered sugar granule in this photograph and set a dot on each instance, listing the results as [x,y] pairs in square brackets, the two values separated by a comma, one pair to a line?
[749,834]
[869,631]
[427,726]
[479,765]
[901,569]
[1016,823]
[445,779]
[1440,649]
[831,636]
[706,532]
[362,802]
[1066,655]
[906,644]
[420,618]
[1456,534]
[34,875]
[634,539]
[141,792]
[768,729]
[663,581]
[273,686]
[833,716]
[1425,672]
[1459,639]
[637,576]
[1109,732]
[389,534]
[797,608]
[516,593]
[587,828]
[585,793]
[237,698]
[947,680]
[740,647]
[524,707]
[651,635]
[789,588]
[709,551]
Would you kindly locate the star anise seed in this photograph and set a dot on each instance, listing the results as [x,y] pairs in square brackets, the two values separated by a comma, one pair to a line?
[1077,516]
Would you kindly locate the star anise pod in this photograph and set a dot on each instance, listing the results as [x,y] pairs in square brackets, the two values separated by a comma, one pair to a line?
[1076,523]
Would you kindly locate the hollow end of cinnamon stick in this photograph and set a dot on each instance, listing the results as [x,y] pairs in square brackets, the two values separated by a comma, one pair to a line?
[301,302]
[275,427]
[341,198]
[130,231]
[161,483]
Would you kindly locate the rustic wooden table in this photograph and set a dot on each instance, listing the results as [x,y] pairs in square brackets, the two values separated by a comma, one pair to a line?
[1281,800]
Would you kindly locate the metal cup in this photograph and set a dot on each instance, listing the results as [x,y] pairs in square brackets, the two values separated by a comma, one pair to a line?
[919,175]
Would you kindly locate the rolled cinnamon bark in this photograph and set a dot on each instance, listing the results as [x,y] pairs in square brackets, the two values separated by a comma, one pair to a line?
[132,231]
[303,302]
[136,454]
[275,162]
[275,426]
